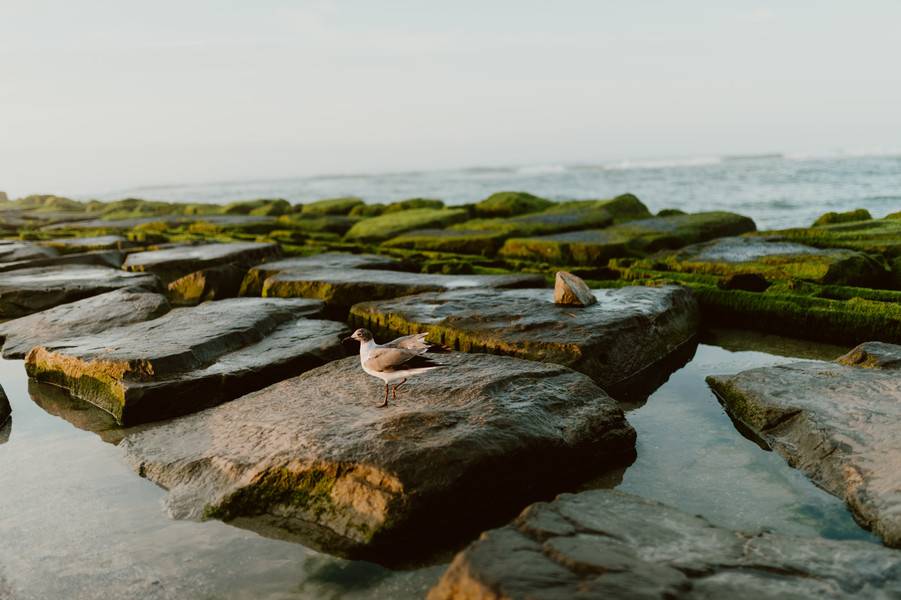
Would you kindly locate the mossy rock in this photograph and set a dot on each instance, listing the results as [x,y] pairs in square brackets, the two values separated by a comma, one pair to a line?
[877,236]
[670,212]
[773,259]
[330,206]
[48,202]
[413,203]
[859,214]
[387,226]
[263,207]
[459,241]
[633,238]
[311,224]
[367,210]
[509,204]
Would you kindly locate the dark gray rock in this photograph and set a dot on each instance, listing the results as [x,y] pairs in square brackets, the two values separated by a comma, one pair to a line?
[607,544]
[102,258]
[571,290]
[256,276]
[172,263]
[4,408]
[25,291]
[619,342]
[16,251]
[313,458]
[837,422]
[82,317]
[190,358]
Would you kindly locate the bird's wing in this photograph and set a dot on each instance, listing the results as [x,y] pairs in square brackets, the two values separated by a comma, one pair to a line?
[410,342]
[384,359]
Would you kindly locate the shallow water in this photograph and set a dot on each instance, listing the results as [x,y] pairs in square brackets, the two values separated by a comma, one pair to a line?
[76,522]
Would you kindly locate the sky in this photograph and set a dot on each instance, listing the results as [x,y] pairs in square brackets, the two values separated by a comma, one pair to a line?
[98,95]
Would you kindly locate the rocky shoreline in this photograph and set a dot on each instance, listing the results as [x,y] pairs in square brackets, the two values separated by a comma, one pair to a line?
[218,331]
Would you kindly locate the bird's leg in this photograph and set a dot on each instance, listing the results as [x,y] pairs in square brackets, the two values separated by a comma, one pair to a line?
[397,386]
[385,403]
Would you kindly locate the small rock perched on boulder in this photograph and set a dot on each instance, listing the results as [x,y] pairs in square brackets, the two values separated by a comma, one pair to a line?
[839,423]
[607,544]
[313,458]
[571,290]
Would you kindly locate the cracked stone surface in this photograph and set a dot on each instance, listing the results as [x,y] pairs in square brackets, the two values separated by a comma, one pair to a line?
[608,544]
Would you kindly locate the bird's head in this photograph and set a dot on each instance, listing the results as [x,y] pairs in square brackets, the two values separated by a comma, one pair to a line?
[361,335]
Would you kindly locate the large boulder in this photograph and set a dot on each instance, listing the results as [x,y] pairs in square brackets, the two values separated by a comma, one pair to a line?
[190,358]
[774,259]
[620,341]
[313,458]
[607,544]
[634,238]
[82,317]
[256,276]
[25,291]
[172,263]
[837,422]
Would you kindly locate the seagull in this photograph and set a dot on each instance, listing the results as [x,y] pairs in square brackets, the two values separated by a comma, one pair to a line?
[393,361]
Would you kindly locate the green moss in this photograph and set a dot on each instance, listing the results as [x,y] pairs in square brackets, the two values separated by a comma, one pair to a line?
[413,203]
[367,210]
[309,490]
[633,238]
[877,236]
[335,224]
[387,226]
[331,206]
[460,241]
[263,207]
[48,203]
[508,204]
[859,214]
[670,212]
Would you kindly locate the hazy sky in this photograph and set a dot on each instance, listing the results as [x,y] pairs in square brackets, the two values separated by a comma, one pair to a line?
[98,95]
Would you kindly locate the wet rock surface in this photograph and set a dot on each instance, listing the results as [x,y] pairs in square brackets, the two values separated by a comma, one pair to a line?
[776,259]
[607,544]
[214,283]
[190,358]
[312,458]
[84,244]
[571,290]
[634,238]
[25,291]
[836,422]
[83,317]
[16,251]
[344,288]
[172,263]
[618,341]
[253,281]
[103,258]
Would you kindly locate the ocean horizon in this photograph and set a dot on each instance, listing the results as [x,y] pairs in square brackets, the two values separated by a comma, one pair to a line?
[775,189]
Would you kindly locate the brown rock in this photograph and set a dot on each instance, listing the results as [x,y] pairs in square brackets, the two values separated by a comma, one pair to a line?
[571,290]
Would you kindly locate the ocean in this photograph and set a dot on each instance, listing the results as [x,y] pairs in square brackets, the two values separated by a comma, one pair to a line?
[775,190]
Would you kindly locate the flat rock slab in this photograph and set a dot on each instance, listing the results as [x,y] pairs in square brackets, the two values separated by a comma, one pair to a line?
[84,244]
[173,263]
[616,341]
[839,423]
[256,276]
[313,458]
[607,544]
[16,251]
[190,358]
[25,291]
[633,238]
[83,317]
[344,288]
[775,259]
[102,258]
[224,221]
